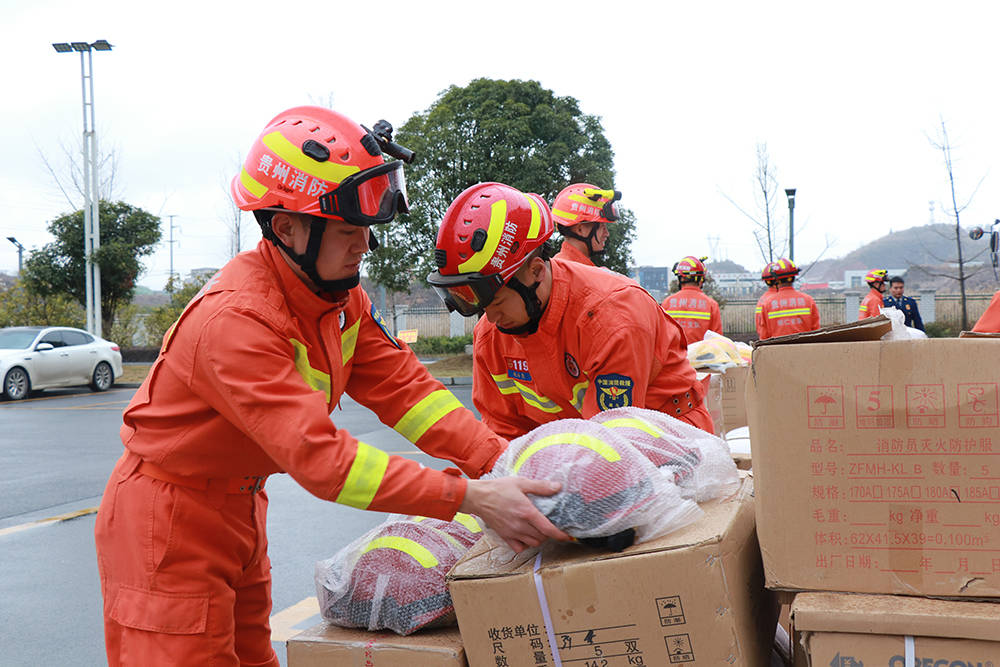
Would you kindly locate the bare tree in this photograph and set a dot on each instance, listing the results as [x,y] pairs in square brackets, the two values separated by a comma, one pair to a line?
[943,144]
[69,178]
[233,217]
[765,231]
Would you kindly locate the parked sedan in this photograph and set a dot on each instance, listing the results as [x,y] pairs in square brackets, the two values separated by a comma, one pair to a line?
[43,357]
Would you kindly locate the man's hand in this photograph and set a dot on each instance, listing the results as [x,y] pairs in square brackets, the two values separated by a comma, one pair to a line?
[505,508]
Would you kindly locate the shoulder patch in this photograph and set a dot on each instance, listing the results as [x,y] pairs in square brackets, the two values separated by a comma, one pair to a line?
[384,327]
[613,391]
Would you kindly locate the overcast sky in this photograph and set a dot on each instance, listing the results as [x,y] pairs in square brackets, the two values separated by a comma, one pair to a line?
[845,96]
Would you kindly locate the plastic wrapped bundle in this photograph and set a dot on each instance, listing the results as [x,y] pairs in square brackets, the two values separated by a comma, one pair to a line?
[393,577]
[715,352]
[608,487]
[700,462]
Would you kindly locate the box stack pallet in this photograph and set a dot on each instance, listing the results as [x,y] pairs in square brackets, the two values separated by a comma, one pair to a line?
[877,468]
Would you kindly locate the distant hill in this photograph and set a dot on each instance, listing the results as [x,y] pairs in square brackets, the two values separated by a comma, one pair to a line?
[926,250]
[724,266]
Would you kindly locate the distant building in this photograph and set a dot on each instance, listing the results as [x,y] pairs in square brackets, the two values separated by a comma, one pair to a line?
[856,279]
[653,278]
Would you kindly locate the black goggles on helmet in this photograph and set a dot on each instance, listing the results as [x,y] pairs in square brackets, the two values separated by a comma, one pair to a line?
[467,293]
[372,196]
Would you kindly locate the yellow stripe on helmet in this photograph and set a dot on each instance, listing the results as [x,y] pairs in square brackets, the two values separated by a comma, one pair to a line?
[565,215]
[426,413]
[590,442]
[586,201]
[253,186]
[364,478]
[290,153]
[469,522]
[498,216]
[411,548]
[536,219]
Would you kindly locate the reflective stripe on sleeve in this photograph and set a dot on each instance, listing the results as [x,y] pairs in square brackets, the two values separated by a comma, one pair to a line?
[364,477]
[426,413]
[316,379]
[579,391]
[507,385]
[348,340]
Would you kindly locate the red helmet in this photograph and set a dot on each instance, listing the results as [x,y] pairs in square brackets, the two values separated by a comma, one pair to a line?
[876,276]
[316,161]
[690,267]
[487,233]
[778,270]
[583,202]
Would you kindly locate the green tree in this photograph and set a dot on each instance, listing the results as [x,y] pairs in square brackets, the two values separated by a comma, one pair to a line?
[161,317]
[128,233]
[19,307]
[514,132]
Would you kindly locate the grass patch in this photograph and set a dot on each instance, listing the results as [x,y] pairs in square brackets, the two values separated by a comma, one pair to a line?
[134,373]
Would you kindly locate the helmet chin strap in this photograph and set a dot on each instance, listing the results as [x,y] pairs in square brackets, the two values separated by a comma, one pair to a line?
[532,304]
[307,260]
[588,239]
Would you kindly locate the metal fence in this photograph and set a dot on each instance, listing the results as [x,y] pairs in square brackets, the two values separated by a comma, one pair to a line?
[737,315]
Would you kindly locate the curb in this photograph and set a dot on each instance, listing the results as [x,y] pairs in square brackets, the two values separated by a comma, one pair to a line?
[465,381]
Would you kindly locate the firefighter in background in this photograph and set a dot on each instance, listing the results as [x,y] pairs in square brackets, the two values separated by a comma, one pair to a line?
[871,305]
[694,310]
[784,310]
[582,212]
[244,386]
[989,321]
[560,339]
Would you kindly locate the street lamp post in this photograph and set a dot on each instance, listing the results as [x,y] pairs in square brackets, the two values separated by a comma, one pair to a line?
[20,253]
[91,194]
[790,193]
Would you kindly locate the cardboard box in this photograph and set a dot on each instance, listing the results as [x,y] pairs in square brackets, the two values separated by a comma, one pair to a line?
[725,399]
[692,597]
[844,630]
[326,645]
[878,465]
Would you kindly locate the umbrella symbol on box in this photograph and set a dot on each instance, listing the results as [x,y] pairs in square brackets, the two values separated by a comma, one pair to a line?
[825,400]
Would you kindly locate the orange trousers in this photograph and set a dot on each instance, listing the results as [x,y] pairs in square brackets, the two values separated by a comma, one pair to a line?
[184,573]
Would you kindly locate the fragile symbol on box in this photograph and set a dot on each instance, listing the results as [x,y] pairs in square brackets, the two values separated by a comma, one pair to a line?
[679,649]
[825,406]
[670,610]
[977,405]
[925,406]
[874,406]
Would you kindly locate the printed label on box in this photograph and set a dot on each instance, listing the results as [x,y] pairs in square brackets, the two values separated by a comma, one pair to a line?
[977,405]
[925,406]
[826,407]
[670,610]
[679,649]
[874,406]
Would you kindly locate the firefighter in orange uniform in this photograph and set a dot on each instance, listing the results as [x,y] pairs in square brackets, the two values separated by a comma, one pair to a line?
[560,339]
[871,305]
[784,310]
[582,212]
[694,310]
[243,388]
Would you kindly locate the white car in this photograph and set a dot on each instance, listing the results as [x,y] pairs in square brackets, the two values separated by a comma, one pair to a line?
[43,357]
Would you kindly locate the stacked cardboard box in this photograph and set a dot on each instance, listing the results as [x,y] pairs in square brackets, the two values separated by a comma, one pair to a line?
[325,645]
[877,463]
[694,596]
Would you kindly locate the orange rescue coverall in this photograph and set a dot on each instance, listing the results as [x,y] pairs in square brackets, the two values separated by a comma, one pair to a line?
[695,311]
[785,311]
[989,321]
[603,342]
[871,305]
[571,253]
[243,387]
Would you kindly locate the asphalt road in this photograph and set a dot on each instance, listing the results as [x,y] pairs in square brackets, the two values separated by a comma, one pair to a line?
[56,452]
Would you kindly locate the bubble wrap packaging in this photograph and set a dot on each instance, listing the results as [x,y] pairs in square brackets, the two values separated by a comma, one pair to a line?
[608,486]
[699,462]
[393,577]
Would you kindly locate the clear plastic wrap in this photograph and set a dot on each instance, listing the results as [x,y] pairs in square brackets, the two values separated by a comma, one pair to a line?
[716,352]
[608,486]
[700,463]
[899,329]
[393,576]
